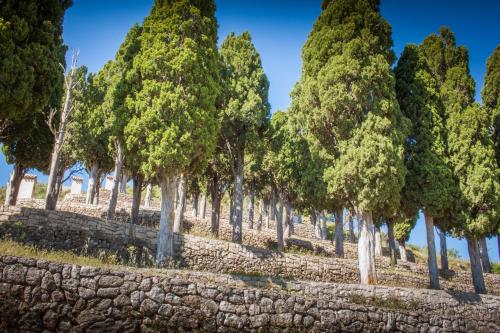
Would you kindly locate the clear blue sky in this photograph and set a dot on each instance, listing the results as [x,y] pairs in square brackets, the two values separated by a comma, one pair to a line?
[279,28]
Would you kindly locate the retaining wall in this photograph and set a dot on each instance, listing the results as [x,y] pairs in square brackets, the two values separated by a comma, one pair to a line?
[136,245]
[37,295]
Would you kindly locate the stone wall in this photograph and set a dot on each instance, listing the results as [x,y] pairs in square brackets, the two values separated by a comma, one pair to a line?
[136,245]
[149,217]
[124,199]
[36,295]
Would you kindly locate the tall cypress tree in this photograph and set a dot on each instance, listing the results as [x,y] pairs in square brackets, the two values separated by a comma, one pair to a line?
[491,102]
[472,155]
[175,114]
[116,111]
[429,184]
[491,96]
[88,136]
[348,97]
[244,110]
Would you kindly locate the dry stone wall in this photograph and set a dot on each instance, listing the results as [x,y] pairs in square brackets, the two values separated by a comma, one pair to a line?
[37,295]
[136,245]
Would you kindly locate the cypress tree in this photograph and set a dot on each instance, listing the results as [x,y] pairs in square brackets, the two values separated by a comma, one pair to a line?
[175,114]
[244,110]
[491,102]
[429,184]
[348,97]
[402,228]
[469,147]
[88,136]
[116,111]
[491,97]
[473,158]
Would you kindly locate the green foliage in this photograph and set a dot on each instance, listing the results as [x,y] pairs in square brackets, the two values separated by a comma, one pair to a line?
[31,52]
[429,184]
[403,228]
[28,143]
[175,126]
[88,137]
[469,148]
[370,170]
[473,158]
[279,159]
[41,189]
[246,105]
[115,109]
[348,99]
[441,54]
[491,97]
[495,268]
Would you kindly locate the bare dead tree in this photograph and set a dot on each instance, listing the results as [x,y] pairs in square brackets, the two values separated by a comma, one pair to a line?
[58,132]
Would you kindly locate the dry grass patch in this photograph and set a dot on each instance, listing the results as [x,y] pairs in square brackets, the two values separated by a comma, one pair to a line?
[11,248]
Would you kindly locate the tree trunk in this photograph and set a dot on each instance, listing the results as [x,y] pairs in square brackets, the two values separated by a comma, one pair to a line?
[339,232]
[313,217]
[194,207]
[431,251]
[299,218]
[261,214]
[367,270]
[279,223]
[392,242]
[324,230]
[179,211]
[378,242]
[116,183]
[443,250]
[251,206]
[89,197]
[402,251]
[149,194]
[165,247]
[287,230]
[237,235]
[273,205]
[231,206]
[475,266]
[95,201]
[352,238]
[203,207]
[123,181]
[136,199]
[215,208]
[317,224]
[13,185]
[55,160]
[268,215]
[59,181]
[483,252]
[51,195]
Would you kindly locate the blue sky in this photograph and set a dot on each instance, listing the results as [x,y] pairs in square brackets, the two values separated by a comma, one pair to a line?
[279,28]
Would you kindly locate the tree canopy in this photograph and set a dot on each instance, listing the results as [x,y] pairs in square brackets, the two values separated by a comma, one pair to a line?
[31,55]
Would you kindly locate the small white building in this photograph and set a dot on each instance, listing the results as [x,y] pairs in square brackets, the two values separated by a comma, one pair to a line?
[76,185]
[27,187]
[110,181]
